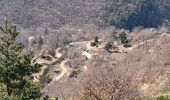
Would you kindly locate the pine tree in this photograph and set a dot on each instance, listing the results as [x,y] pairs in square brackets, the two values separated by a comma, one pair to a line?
[123,38]
[96,39]
[16,68]
[45,31]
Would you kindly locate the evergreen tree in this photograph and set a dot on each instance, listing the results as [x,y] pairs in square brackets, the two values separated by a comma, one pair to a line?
[16,68]
[45,31]
[123,38]
[96,39]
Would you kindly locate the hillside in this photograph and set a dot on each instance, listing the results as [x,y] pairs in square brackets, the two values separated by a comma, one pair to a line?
[132,13]
[92,49]
[57,13]
[51,13]
[144,68]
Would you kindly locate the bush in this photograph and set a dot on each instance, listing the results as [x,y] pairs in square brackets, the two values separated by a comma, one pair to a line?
[123,36]
[125,40]
[93,44]
[74,74]
[109,47]
[96,39]
[159,97]
[108,84]
[127,45]
[67,42]
[47,58]
[163,97]
[45,78]
[52,53]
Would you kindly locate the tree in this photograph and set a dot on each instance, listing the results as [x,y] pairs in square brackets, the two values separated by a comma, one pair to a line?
[96,39]
[109,47]
[95,42]
[123,37]
[108,84]
[39,41]
[125,40]
[16,68]
[46,32]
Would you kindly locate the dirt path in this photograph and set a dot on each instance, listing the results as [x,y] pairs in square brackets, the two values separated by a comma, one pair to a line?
[88,55]
[64,71]
[46,62]
[58,54]
[37,75]
[62,66]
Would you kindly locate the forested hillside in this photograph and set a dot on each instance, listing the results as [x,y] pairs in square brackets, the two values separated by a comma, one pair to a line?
[56,13]
[85,49]
[132,13]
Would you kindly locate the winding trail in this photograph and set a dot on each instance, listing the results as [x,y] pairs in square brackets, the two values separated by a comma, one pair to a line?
[57,53]
[88,55]
[62,65]
[45,64]
[37,75]
[64,71]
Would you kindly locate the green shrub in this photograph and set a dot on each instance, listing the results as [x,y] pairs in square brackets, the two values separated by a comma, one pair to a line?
[93,44]
[66,42]
[16,68]
[109,47]
[163,97]
[158,97]
[127,45]
[47,58]
[96,39]
[74,74]
[52,53]
[45,78]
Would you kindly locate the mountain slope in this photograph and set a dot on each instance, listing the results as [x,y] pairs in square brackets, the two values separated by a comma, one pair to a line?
[56,13]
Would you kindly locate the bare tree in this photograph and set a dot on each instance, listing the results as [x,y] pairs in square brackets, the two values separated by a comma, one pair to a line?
[108,83]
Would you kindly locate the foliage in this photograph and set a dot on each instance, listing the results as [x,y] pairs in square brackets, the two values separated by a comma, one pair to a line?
[109,47]
[46,57]
[46,31]
[132,13]
[163,97]
[16,68]
[74,74]
[120,13]
[96,39]
[39,40]
[93,44]
[127,45]
[125,40]
[108,85]
[158,97]
[67,42]
[45,78]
